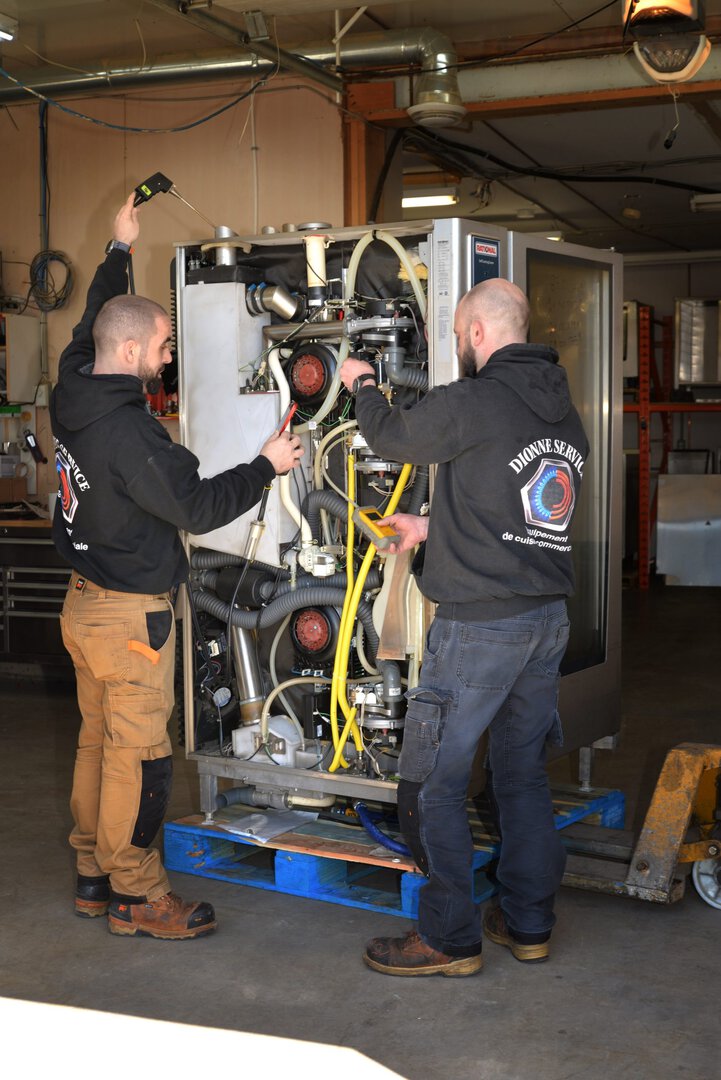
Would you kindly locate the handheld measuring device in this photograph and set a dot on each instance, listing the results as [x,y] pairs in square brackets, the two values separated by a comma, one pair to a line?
[288,416]
[366,519]
[150,187]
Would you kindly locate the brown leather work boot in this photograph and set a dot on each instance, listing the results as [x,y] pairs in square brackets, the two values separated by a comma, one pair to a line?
[496,929]
[410,955]
[168,917]
[92,896]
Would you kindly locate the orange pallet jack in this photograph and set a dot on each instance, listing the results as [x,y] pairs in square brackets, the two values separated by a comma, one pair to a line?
[682,827]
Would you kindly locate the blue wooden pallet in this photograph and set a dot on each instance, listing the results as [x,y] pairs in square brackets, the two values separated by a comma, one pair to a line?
[340,863]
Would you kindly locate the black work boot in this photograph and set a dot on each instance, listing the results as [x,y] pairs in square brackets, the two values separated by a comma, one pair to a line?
[168,917]
[92,896]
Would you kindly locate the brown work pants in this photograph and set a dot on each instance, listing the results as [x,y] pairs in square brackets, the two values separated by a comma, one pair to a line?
[123,648]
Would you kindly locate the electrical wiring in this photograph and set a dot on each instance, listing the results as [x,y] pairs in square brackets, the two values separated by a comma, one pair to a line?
[544,37]
[55,63]
[48,296]
[137,130]
[127,95]
[142,42]
[385,72]
[330,423]
[258,360]
[328,750]
[430,139]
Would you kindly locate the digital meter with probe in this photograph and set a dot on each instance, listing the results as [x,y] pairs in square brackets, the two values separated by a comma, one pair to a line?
[366,519]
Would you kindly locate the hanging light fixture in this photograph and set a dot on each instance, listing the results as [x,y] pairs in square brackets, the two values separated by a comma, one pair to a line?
[669,42]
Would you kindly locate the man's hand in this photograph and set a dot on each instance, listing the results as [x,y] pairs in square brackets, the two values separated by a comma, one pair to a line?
[126,228]
[283,451]
[411,529]
[352,369]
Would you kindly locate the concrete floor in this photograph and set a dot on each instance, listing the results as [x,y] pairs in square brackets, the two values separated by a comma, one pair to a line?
[631,991]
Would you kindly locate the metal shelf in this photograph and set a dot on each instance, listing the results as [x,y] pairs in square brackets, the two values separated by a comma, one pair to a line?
[645,408]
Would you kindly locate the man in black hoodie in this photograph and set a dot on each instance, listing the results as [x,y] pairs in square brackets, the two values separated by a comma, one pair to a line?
[495,557]
[125,488]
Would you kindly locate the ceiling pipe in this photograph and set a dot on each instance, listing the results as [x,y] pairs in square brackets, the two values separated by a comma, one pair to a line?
[220,28]
[437,96]
[52,85]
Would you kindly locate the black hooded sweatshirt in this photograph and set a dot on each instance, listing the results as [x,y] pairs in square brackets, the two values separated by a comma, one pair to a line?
[510,449]
[125,488]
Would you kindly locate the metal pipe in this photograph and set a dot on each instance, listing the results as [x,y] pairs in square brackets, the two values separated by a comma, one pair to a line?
[247,672]
[286,61]
[433,51]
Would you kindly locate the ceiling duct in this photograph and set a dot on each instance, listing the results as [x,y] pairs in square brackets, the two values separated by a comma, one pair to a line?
[437,96]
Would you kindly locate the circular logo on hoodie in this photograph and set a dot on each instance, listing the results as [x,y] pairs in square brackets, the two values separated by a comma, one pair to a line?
[549,496]
[68,498]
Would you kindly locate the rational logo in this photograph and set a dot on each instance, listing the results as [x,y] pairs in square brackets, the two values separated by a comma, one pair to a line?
[66,492]
[549,497]
[484,247]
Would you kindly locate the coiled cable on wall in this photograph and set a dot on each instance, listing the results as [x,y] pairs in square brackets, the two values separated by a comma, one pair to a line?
[43,290]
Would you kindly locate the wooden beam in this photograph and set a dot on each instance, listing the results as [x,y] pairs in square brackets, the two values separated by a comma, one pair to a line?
[365,147]
[578,42]
[555,103]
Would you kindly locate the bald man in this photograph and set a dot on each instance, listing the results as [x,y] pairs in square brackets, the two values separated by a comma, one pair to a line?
[495,556]
[125,489]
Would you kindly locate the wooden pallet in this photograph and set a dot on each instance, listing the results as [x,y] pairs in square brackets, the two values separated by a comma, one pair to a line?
[342,864]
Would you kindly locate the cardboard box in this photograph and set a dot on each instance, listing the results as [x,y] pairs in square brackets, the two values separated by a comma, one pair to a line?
[13,489]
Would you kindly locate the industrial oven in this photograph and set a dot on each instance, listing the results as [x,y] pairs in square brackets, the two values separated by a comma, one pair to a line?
[301,635]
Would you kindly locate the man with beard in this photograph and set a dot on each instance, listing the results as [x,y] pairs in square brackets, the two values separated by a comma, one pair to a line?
[125,489]
[495,557]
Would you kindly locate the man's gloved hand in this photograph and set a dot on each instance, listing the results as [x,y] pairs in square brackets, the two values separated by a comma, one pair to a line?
[283,451]
[126,228]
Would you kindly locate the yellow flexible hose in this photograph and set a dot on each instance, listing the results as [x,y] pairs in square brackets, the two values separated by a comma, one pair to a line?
[350,542]
[343,650]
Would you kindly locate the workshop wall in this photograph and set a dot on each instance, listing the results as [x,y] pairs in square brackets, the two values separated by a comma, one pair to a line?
[660,286]
[293,136]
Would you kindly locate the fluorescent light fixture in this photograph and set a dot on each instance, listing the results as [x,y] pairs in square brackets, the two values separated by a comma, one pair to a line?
[706,203]
[543,235]
[8,27]
[430,198]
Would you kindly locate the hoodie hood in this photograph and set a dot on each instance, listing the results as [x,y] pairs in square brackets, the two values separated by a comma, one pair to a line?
[532,372]
[82,398]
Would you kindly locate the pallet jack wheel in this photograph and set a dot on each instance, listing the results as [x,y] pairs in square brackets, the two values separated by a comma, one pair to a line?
[706,876]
